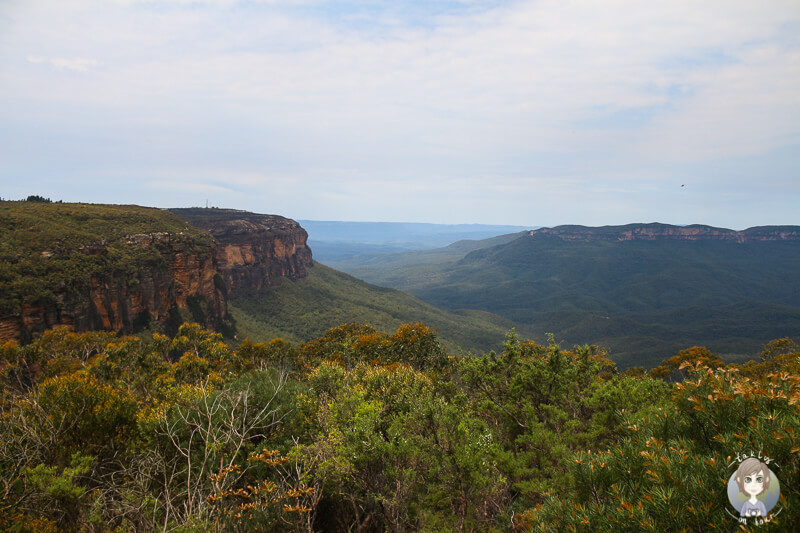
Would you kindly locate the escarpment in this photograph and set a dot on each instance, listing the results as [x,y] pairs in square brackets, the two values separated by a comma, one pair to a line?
[103,267]
[253,250]
[656,231]
[123,297]
[119,268]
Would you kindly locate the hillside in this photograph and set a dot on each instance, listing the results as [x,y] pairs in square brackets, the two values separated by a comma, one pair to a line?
[405,270]
[275,289]
[305,308]
[112,267]
[644,291]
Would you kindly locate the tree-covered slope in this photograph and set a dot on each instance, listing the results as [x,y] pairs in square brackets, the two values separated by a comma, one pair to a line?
[303,309]
[537,273]
[643,298]
[406,270]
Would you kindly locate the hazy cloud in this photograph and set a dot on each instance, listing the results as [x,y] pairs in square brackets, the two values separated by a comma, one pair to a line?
[77,64]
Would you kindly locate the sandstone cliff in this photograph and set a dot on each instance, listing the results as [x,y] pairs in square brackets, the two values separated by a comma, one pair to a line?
[178,271]
[253,250]
[99,267]
[655,231]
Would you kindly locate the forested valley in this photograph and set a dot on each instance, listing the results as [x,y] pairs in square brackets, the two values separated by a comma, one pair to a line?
[363,430]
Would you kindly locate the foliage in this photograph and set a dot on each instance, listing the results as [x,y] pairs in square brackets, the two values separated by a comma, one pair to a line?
[37,198]
[350,344]
[544,403]
[269,505]
[397,455]
[365,430]
[670,467]
[60,489]
[672,368]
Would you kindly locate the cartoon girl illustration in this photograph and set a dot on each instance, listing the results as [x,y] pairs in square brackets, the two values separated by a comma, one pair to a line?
[753,478]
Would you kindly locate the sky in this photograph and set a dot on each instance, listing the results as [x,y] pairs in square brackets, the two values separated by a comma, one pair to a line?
[532,113]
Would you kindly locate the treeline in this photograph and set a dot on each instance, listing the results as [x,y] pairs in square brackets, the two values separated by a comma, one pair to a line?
[32,198]
[361,430]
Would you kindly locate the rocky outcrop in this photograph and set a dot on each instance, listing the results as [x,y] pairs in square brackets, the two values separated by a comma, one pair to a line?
[187,272]
[126,281]
[253,250]
[654,231]
[179,272]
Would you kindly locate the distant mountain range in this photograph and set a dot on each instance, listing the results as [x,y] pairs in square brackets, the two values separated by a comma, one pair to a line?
[643,290]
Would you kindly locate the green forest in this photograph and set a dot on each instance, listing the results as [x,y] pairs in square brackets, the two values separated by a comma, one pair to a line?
[371,431]
[643,299]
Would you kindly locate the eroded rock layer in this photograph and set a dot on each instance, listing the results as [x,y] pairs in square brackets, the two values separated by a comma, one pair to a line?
[86,273]
[253,250]
[123,297]
[655,231]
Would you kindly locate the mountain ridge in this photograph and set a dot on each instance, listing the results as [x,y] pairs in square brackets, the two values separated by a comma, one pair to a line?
[657,230]
[92,267]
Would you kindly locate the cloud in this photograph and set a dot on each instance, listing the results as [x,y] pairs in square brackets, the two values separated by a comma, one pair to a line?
[76,64]
[408,100]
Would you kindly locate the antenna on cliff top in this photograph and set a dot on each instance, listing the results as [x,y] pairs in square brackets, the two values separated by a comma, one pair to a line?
[206,203]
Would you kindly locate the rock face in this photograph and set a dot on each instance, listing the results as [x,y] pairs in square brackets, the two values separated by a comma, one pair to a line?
[253,250]
[181,274]
[651,232]
[141,277]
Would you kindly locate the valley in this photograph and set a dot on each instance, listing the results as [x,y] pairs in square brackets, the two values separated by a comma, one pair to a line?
[644,291]
[641,291]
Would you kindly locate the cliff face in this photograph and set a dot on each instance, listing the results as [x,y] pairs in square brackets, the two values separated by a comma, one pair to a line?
[178,269]
[74,265]
[80,266]
[253,250]
[651,232]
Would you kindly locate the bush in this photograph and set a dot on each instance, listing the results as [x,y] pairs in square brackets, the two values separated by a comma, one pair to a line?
[670,468]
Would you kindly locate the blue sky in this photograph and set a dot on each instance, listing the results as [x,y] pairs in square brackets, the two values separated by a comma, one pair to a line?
[522,112]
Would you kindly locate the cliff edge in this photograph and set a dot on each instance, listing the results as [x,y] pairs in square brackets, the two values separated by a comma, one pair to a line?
[119,268]
[102,267]
[656,231]
[253,250]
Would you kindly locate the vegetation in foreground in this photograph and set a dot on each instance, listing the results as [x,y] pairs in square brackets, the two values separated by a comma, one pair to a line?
[361,430]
